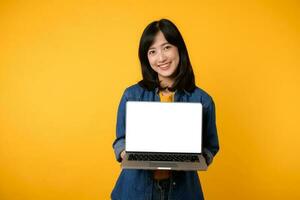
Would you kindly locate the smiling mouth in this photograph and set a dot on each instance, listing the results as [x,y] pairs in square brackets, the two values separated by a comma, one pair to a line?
[164,66]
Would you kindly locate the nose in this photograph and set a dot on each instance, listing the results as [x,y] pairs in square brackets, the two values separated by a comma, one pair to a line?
[161,57]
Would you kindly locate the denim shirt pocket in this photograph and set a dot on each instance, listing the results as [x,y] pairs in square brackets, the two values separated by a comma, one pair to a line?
[137,184]
[131,184]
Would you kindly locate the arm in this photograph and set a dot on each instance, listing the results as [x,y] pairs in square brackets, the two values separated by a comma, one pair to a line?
[210,135]
[119,143]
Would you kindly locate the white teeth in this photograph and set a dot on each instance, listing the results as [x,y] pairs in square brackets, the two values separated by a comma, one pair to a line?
[164,65]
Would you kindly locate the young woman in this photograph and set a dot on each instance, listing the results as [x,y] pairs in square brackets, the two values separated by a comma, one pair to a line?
[167,76]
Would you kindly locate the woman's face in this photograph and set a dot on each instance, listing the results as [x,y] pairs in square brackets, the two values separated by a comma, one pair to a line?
[163,57]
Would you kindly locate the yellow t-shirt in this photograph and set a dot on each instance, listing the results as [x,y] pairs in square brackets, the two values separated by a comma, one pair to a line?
[166,98]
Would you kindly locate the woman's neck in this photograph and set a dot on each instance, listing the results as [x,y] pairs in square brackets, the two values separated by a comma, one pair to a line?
[165,82]
[166,92]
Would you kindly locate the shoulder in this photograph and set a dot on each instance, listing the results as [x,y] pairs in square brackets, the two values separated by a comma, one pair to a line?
[202,96]
[134,88]
[202,93]
[133,91]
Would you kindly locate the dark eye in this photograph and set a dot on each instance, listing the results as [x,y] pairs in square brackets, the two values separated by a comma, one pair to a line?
[151,52]
[167,47]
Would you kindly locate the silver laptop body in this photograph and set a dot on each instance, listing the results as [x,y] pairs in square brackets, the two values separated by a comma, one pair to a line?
[163,136]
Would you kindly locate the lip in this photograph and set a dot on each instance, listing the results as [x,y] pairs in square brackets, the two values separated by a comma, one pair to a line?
[164,66]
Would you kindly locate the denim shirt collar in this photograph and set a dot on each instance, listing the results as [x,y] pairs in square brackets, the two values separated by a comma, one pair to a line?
[176,91]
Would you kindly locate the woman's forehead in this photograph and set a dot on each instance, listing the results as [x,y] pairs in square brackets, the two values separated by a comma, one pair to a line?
[159,40]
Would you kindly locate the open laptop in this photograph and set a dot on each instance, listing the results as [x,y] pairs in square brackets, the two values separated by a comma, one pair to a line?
[163,136]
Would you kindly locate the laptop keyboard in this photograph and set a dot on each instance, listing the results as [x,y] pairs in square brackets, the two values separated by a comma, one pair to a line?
[163,157]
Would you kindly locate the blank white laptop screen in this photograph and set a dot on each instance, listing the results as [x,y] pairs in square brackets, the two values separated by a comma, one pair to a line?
[163,127]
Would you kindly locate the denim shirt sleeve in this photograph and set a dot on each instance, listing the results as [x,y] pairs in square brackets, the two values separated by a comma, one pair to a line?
[210,136]
[119,143]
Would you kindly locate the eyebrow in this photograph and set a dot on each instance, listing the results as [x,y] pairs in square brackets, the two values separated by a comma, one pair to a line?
[160,45]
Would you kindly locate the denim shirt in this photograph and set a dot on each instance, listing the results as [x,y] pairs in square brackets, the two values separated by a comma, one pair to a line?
[137,184]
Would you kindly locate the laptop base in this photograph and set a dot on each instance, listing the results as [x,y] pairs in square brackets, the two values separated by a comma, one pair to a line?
[165,165]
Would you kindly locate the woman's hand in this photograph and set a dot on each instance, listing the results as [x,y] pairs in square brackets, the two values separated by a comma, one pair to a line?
[122,154]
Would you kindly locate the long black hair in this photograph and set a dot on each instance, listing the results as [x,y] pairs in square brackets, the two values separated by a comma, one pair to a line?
[184,75]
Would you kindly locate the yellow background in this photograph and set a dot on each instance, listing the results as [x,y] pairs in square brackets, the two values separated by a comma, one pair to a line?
[65,64]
